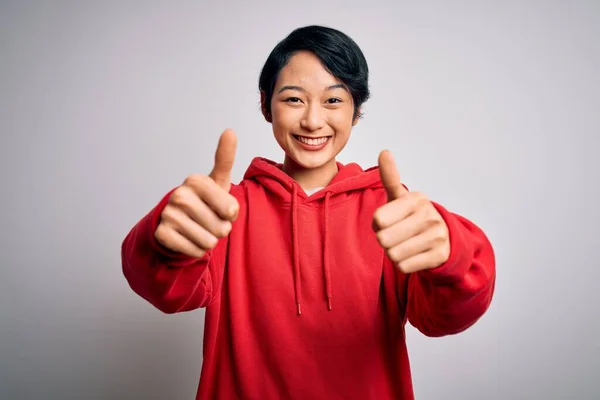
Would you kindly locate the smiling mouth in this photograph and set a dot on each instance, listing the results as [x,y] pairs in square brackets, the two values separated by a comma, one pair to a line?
[312,141]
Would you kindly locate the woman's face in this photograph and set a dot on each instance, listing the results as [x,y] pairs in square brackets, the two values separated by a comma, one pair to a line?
[312,112]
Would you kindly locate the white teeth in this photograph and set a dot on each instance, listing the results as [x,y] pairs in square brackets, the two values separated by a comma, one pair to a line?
[312,142]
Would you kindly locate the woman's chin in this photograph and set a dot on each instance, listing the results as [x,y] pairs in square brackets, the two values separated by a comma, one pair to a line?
[310,161]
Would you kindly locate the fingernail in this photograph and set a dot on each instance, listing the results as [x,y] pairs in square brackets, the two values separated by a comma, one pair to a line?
[227,229]
[233,210]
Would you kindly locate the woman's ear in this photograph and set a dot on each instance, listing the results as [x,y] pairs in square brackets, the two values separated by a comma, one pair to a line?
[263,107]
[356,117]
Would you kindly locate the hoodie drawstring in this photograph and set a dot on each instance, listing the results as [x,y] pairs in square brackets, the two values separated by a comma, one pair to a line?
[296,251]
[326,270]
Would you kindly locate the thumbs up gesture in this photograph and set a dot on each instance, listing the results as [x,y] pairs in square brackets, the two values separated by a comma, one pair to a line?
[201,210]
[409,228]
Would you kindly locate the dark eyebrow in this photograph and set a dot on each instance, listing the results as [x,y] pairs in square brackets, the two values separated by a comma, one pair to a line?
[300,89]
[338,86]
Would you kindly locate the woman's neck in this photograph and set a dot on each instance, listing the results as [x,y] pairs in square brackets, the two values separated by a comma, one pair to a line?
[310,178]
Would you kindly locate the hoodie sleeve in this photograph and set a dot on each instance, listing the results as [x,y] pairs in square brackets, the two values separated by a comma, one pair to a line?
[170,281]
[452,297]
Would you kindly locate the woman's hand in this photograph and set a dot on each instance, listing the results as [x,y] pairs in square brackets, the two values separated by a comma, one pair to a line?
[409,228]
[201,210]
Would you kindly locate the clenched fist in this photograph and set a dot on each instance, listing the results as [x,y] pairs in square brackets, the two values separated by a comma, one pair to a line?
[201,210]
[409,228]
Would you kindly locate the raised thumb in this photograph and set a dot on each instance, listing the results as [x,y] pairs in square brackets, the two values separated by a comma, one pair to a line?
[390,176]
[224,158]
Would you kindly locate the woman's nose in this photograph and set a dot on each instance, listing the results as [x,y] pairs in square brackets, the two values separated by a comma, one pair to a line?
[313,119]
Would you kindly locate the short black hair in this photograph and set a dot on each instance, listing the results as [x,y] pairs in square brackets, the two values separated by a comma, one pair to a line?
[339,54]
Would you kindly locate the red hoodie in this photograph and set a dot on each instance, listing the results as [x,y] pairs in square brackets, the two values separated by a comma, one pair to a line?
[301,301]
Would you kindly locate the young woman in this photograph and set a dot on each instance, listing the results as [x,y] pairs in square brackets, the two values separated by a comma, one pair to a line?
[309,269]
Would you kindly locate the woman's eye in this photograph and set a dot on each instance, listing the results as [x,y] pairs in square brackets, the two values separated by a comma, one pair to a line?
[333,100]
[293,100]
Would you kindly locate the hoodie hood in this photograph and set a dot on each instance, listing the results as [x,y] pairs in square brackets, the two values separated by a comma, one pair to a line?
[349,178]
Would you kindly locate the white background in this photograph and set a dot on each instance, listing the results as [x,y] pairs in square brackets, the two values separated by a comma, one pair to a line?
[490,108]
